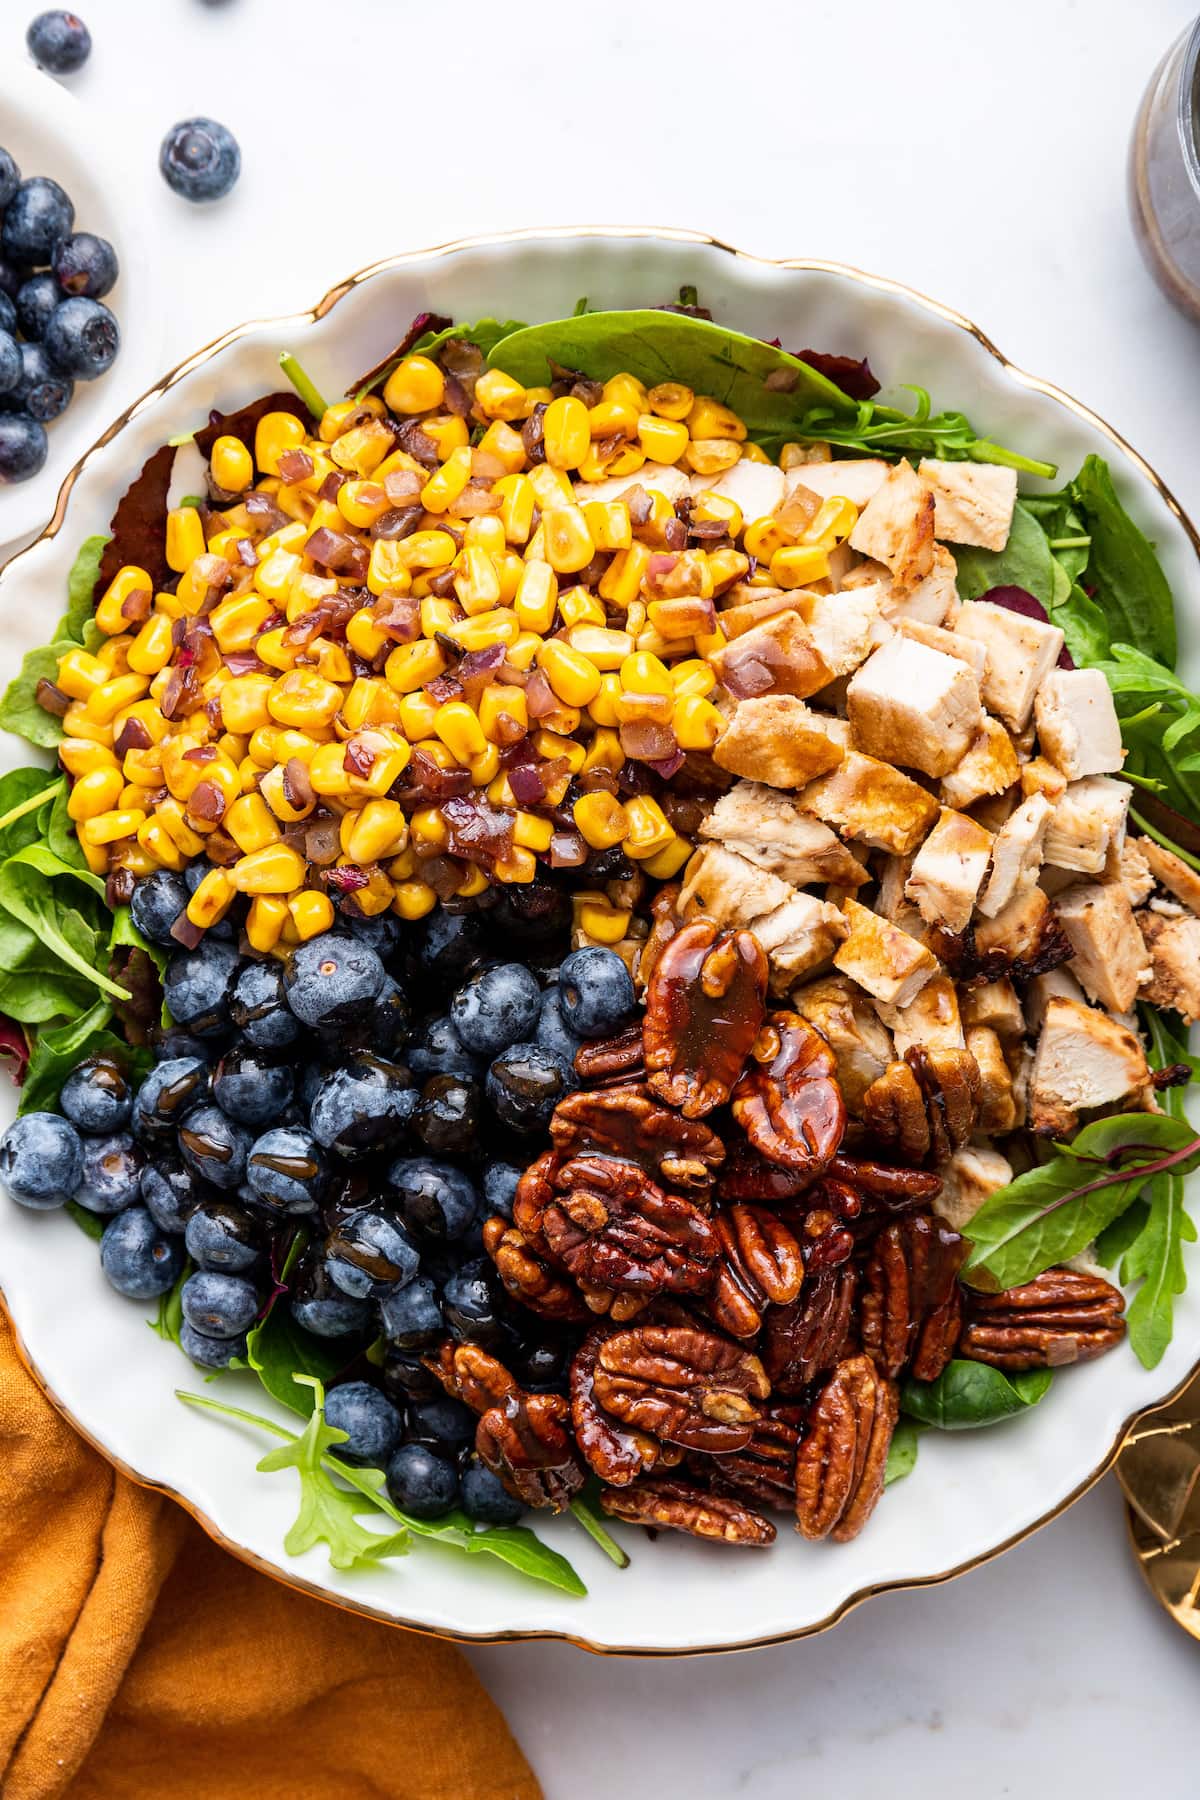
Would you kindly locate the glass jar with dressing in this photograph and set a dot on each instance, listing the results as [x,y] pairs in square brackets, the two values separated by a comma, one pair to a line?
[1164,173]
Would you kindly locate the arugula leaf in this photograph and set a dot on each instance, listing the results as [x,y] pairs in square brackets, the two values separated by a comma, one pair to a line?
[1054,1211]
[279,1350]
[967,1395]
[1122,569]
[58,1050]
[902,1451]
[584,1508]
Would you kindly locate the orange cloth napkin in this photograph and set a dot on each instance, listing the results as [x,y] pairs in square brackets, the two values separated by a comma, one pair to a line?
[138,1659]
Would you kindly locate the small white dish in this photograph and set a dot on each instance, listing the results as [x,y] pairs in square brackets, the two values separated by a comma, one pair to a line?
[50,133]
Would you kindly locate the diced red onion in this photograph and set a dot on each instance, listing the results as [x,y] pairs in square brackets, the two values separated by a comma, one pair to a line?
[185,933]
[540,697]
[340,554]
[567,850]
[525,780]
[51,699]
[322,841]
[294,466]
[648,741]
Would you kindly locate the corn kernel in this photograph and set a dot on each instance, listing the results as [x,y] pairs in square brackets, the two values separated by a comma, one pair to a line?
[531,832]
[304,698]
[244,705]
[274,574]
[459,729]
[498,627]
[156,841]
[413,899]
[79,674]
[595,465]
[415,385]
[551,486]
[379,830]
[798,565]
[503,714]
[708,418]
[574,679]
[602,923]
[212,899]
[671,400]
[360,450]
[613,418]
[275,433]
[250,824]
[627,390]
[601,820]
[264,922]
[725,566]
[602,705]
[833,521]
[643,674]
[410,666]
[417,713]
[328,772]
[606,648]
[523,649]
[621,582]
[108,827]
[696,723]
[477,583]
[608,524]
[449,433]
[485,766]
[536,598]
[428,829]
[151,649]
[185,537]
[500,445]
[663,440]
[605,752]
[579,607]
[97,792]
[517,501]
[105,702]
[498,396]
[569,545]
[553,746]
[567,433]
[711,456]
[473,882]
[443,488]
[693,677]
[519,865]
[79,756]
[231,465]
[669,860]
[361,503]
[649,828]
[275,869]
[438,614]
[126,582]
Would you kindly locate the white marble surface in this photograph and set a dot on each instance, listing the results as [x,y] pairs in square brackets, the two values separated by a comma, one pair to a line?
[976,152]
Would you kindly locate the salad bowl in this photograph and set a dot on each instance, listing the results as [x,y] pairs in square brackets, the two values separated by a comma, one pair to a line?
[967,1499]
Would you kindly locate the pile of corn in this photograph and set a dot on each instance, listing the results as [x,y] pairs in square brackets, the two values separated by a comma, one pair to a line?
[350,617]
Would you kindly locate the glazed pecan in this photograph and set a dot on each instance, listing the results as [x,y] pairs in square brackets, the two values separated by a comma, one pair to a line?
[666,923]
[745,1175]
[764,1472]
[526,1441]
[896,1189]
[810,1335]
[1062,1316]
[704,1006]
[678,1506]
[526,1276]
[841,1460]
[610,1225]
[630,1122]
[926,1107]
[686,1386]
[911,1308]
[620,1308]
[616,1452]
[761,1262]
[469,1374]
[788,1102]
[611,1059]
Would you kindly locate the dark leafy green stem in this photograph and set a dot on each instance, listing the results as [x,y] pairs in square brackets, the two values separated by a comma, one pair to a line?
[303,384]
[585,1512]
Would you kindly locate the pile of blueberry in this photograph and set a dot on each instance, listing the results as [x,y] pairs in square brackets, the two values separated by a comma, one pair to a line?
[380,1092]
[54,328]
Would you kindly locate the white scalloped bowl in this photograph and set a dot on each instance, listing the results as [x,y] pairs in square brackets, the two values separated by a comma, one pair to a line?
[972,1494]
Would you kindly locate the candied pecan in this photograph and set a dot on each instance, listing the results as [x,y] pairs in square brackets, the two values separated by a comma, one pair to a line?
[810,1335]
[926,1107]
[678,1506]
[620,1308]
[761,1261]
[526,1441]
[469,1374]
[610,1224]
[704,1006]
[841,1460]
[788,1102]
[686,1386]
[911,1305]
[663,910]
[611,1059]
[526,1276]
[748,1176]
[765,1471]
[897,1188]
[616,1452]
[630,1122]
[1061,1316]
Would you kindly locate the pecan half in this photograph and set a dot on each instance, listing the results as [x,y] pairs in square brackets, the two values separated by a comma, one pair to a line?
[610,1225]
[1061,1316]
[895,1188]
[926,1107]
[840,1463]
[761,1261]
[810,1335]
[666,924]
[526,1276]
[616,1452]
[788,1102]
[526,1441]
[469,1374]
[611,1059]
[704,1006]
[678,1506]
[686,1386]
[765,1471]
[630,1122]
[746,1175]
[911,1309]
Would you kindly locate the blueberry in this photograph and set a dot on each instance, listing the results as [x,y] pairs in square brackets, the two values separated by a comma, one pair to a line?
[386,1020]
[435,1197]
[23,447]
[485,1498]
[219,1305]
[553,1032]
[41,1160]
[96,1096]
[331,979]
[322,1308]
[526,1084]
[36,300]
[405,1377]
[8,314]
[174,1043]
[370,1252]
[171,1091]
[112,1168]
[410,1317]
[200,159]
[452,945]
[441,1422]
[156,903]
[286,1170]
[210,1352]
[382,932]
[500,1188]
[447,1117]
[11,276]
[59,42]
[370,1421]
[249,1089]
[169,1192]
[542,1365]
[86,264]
[421,1483]
[214,1147]
[36,220]
[438,1050]
[82,337]
[497,1007]
[532,912]
[596,992]
[362,1107]
[222,1235]
[140,1260]
[196,987]
[10,178]
[470,1305]
[259,1007]
[43,391]
[11,366]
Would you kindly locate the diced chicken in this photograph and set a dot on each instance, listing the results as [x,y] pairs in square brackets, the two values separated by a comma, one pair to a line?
[778,656]
[871,802]
[745,607]
[998,1006]
[775,738]
[755,487]
[896,526]
[1018,932]
[1172,872]
[931,1021]
[948,871]
[973,502]
[833,727]
[997,1103]
[971,1176]
[1087,823]
[1173,946]
[995,810]
[989,766]
[934,637]
[884,960]
[1056,984]
[1077,723]
[914,706]
[1016,854]
[893,872]
[662,478]
[1041,777]
[1084,1061]
[845,627]
[768,828]
[730,890]
[1109,955]
[799,938]
[846,1019]
[1129,865]
[933,601]
[857,479]
[1021,653]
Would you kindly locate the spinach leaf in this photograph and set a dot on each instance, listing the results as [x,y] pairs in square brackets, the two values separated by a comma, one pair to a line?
[26,796]
[902,1451]
[81,583]
[38,891]
[1122,569]
[967,1395]
[60,833]
[90,1223]
[1026,561]
[278,1349]
[19,710]
[58,1050]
